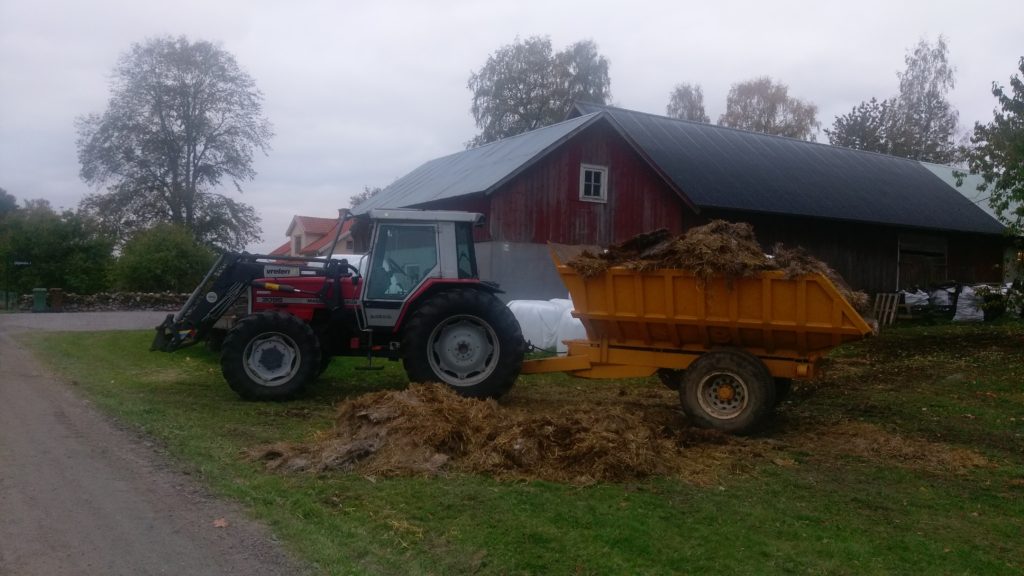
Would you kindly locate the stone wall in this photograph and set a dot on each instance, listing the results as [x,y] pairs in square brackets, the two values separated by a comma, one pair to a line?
[108,301]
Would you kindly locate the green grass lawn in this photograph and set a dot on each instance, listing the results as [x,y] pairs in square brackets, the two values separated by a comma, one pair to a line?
[806,509]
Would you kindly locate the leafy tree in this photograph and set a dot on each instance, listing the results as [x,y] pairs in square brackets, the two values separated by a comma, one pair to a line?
[918,123]
[8,203]
[582,74]
[761,105]
[686,102]
[524,86]
[182,118]
[66,250]
[924,123]
[164,258]
[998,153]
[864,127]
[366,194]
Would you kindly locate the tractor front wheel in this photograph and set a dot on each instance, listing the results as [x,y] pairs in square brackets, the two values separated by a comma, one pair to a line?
[270,356]
[466,339]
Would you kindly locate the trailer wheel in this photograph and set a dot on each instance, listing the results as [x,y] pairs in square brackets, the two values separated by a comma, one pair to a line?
[728,390]
[467,339]
[270,356]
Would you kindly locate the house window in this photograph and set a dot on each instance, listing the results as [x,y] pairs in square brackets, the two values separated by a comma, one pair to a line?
[296,245]
[593,183]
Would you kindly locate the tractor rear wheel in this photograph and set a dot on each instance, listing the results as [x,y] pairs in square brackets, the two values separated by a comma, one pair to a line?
[270,356]
[467,339]
[728,390]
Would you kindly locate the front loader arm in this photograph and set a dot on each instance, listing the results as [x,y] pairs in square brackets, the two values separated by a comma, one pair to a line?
[229,276]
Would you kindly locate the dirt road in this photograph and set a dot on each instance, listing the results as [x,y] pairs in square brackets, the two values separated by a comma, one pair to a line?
[80,496]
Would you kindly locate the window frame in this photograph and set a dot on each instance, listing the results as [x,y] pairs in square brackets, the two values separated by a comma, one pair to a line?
[597,168]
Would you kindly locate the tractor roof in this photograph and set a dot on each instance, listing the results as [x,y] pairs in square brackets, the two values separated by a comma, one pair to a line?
[425,215]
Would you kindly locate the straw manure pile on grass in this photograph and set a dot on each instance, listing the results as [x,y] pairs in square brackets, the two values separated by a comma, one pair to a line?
[593,436]
[719,248]
[427,429]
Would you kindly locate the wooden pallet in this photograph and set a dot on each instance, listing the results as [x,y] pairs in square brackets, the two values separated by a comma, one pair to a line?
[886,305]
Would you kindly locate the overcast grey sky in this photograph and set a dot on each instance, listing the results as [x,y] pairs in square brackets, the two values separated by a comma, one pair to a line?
[361,93]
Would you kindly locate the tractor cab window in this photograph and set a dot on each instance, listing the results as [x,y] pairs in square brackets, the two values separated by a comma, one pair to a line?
[464,250]
[403,257]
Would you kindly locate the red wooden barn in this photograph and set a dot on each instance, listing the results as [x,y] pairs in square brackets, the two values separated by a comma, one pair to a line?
[607,174]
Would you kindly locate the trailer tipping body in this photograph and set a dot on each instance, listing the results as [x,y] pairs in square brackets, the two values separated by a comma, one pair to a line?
[638,322]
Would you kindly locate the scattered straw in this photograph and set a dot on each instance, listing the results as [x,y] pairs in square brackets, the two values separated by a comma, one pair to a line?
[874,444]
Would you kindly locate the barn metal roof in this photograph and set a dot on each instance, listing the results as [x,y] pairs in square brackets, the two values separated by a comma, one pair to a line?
[725,168]
[717,167]
[480,169]
[968,188]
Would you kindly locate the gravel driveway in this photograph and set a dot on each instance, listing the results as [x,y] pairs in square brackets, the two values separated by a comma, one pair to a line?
[81,321]
[79,495]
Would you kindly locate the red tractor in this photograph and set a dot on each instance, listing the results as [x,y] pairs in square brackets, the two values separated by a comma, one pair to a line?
[415,296]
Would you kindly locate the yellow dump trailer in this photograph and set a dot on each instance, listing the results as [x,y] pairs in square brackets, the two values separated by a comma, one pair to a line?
[728,345]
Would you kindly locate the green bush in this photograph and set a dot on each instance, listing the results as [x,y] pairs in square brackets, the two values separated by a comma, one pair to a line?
[164,258]
[40,248]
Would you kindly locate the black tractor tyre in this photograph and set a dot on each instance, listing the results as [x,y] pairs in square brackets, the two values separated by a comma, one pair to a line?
[728,390]
[325,363]
[467,339]
[270,356]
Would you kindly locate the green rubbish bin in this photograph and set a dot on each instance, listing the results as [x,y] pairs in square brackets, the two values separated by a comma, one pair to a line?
[39,299]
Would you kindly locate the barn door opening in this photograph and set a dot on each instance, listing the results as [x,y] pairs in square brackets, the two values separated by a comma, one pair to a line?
[923,261]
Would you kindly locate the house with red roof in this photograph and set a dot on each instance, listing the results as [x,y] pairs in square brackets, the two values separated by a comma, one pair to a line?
[312,236]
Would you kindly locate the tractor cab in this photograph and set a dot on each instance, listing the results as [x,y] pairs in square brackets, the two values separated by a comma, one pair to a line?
[411,252]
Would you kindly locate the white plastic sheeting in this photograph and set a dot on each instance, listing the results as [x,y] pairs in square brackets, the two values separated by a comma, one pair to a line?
[916,298]
[547,323]
[1012,303]
[569,328]
[940,297]
[968,307]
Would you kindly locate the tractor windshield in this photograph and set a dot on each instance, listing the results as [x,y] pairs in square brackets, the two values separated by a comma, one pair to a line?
[405,254]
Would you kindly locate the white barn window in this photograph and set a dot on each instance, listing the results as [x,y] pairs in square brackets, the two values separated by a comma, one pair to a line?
[593,183]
